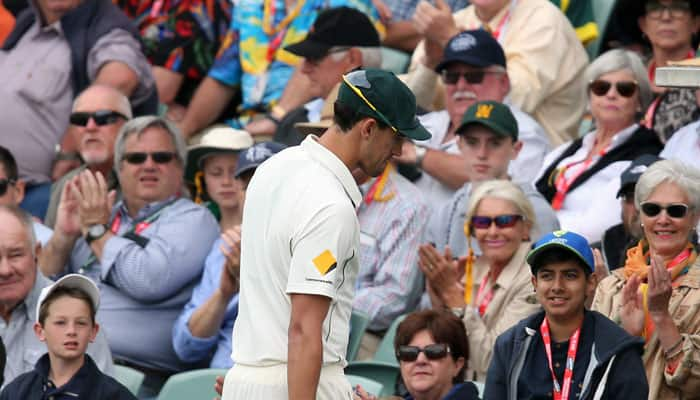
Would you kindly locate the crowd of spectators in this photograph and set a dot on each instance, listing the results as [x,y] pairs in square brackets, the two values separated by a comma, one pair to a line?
[130,130]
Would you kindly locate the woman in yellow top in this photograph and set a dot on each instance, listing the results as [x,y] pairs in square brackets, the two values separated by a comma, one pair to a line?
[657,293]
[496,291]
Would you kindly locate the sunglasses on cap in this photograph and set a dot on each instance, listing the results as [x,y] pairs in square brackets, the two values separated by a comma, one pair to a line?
[101,117]
[601,87]
[358,92]
[5,184]
[678,210]
[158,157]
[676,9]
[471,77]
[501,221]
[431,351]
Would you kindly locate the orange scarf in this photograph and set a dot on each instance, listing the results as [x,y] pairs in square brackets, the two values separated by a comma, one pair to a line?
[637,263]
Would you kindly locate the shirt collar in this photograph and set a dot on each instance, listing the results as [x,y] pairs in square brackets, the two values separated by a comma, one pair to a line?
[329,160]
[617,139]
[514,267]
[32,299]
[146,210]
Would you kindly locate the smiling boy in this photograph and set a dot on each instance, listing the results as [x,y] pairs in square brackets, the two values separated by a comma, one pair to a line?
[565,351]
[66,323]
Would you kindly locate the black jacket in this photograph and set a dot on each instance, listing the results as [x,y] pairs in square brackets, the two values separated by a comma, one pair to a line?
[615,361]
[642,141]
[87,384]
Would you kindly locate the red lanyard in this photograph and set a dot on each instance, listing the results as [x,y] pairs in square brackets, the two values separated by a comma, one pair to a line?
[563,185]
[502,24]
[561,392]
[140,227]
[487,297]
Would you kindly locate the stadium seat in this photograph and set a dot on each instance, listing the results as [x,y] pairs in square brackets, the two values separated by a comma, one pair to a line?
[129,377]
[197,384]
[602,9]
[358,327]
[369,385]
[385,351]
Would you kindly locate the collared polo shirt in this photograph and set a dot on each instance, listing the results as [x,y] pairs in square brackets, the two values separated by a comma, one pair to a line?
[300,235]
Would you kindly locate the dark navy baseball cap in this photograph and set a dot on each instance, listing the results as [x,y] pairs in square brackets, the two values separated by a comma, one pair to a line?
[255,155]
[630,176]
[476,47]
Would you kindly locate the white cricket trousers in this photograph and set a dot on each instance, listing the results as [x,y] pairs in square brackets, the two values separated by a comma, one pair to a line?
[244,382]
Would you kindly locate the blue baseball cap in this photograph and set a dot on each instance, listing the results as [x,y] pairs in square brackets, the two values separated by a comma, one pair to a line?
[570,241]
[255,155]
[476,47]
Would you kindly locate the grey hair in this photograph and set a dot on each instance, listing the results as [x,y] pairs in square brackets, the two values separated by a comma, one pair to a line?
[616,60]
[504,190]
[686,177]
[121,101]
[27,223]
[137,126]
[371,56]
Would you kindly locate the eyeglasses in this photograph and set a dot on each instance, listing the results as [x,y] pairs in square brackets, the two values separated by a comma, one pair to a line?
[101,117]
[5,184]
[158,157]
[677,210]
[356,76]
[601,87]
[676,9]
[431,351]
[501,221]
[471,77]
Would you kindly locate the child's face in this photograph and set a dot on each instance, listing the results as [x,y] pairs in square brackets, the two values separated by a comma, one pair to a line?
[562,289]
[219,171]
[68,328]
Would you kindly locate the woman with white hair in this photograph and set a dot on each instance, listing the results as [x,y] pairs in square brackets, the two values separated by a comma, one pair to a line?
[657,293]
[580,178]
[495,291]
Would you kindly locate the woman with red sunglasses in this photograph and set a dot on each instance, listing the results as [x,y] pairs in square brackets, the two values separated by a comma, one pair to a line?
[491,292]
[656,294]
[580,178]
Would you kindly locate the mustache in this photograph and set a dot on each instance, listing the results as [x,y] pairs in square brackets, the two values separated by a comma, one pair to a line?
[464,95]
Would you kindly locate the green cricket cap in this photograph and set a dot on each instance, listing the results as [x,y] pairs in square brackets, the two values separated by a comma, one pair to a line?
[493,115]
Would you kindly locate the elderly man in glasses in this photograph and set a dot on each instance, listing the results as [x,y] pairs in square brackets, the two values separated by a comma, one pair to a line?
[473,68]
[299,256]
[98,114]
[146,252]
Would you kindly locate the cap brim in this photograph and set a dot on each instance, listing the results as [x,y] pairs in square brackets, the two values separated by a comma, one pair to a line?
[308,49]
[71,281]
[473,61]
[416,132]
[534,254]
[313,128]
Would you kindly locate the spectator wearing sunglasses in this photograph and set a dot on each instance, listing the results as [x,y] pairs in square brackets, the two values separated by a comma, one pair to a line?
[545,58]
[12,192]
[98,114]
[473,68]
[146,252]
[654,296]
[670,28]
[492,292]
[621,237]
[489,141]
[565,351]
[580,178]
[299,256]
[432,349]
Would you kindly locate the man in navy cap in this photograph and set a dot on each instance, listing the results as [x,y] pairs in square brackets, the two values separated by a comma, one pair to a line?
[473,68]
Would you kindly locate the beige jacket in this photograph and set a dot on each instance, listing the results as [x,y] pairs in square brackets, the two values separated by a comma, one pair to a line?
[545,62]
[513,299]
[684,307]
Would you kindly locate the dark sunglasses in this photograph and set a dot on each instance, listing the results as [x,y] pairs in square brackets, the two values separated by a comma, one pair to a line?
[101,117]
[501,221]
[158,157]
[601,87]
[5,184]
[673,210]
[431,351]
[471,77]
[676,9]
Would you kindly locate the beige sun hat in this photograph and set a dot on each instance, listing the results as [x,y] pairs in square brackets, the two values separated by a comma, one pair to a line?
[216,140]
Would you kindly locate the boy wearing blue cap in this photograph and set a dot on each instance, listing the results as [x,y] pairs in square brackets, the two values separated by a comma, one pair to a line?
[565,351]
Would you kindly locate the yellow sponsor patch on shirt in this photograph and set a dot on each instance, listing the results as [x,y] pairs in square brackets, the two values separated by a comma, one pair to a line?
[325,262]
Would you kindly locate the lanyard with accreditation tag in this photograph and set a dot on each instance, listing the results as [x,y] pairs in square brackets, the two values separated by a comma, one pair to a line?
[485,296]
[138,227]
[561,392]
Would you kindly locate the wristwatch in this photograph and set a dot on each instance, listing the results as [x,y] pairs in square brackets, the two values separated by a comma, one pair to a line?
[95,232]
[420,154]
[458,312]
